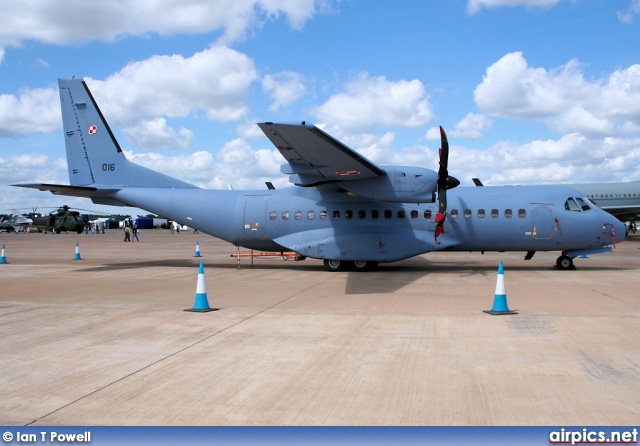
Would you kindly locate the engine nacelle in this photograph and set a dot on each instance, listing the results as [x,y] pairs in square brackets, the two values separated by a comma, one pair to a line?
[404,184]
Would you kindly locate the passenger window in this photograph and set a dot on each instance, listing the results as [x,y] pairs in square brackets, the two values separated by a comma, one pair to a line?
[427,213]
[374,213]
[348,214]
[273,215]
[323,215]
[297,215]
[467,213]
[480,213]
[494,213]
[583,205]
[414,214]
[362,214]
[508,213]
[388,214]
[401,213]
[522,213]
[336,214]
[311,215]
[285,215]
[570,205]
[454,213]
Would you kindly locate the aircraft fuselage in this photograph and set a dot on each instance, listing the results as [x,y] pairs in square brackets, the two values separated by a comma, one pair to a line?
[325,223]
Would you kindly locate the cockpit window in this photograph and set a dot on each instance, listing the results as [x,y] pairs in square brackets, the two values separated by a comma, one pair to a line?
[570,205]
[593,204]
[583,205]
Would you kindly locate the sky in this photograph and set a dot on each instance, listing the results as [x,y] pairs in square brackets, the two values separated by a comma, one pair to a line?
[529,91]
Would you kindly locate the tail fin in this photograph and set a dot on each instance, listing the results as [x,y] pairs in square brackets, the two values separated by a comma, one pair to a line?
[94,156]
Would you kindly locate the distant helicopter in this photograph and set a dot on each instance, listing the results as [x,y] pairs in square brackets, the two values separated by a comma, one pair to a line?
[62,219]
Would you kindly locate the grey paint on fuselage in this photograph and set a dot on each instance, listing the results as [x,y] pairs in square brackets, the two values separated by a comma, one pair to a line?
[225,215]
[344,210]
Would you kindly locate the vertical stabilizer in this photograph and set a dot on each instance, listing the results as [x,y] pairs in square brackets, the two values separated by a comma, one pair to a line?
[86,128]
[94,156]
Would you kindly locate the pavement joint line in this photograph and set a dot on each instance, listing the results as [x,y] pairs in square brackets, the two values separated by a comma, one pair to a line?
[174,353]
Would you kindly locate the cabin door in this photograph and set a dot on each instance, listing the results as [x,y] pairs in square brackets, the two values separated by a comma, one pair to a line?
[255,218]
[542,219]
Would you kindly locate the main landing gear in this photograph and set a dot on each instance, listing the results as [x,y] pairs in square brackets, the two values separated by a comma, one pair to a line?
[343,265]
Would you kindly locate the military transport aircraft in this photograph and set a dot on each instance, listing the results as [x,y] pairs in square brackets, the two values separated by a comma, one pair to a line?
[343,208]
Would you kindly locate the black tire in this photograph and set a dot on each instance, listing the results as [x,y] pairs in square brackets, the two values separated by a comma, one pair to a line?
[334,265]
[362,265]
[564,263]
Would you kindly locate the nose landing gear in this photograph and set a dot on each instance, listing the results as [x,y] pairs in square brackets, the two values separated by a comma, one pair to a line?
[564,262]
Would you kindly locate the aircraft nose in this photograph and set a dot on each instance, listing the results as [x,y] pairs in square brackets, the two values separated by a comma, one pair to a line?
[621,231]
[625,229]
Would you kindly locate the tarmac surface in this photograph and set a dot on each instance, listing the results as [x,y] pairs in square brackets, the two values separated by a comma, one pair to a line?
[105,340]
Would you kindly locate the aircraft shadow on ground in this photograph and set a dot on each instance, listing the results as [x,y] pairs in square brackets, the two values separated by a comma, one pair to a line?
[387,278]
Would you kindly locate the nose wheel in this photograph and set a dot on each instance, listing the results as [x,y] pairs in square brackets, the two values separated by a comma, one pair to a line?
[564,263]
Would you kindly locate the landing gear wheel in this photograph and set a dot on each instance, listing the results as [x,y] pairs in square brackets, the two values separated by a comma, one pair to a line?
[334,265]
[364,265]
[564,263]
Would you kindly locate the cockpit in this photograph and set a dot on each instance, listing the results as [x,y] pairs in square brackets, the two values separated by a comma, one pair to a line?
[578,204]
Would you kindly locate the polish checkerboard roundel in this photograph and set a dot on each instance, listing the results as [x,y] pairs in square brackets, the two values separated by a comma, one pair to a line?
[93,129]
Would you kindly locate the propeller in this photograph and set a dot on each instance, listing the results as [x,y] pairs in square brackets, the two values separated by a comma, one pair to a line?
[444,182]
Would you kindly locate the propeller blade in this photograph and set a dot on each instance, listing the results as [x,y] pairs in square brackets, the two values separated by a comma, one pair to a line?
[443,173]
[444,182]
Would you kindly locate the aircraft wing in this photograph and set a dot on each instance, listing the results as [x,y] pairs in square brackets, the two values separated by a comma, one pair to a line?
[315,158]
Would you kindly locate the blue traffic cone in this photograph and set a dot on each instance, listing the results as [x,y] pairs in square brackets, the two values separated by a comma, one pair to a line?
[500,301]
[3,258]
[197,250]
[201,304]
[77,257]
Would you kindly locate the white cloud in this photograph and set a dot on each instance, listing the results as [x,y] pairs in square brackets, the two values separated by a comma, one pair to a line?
[156,134]
[368,101]
[285,88]
[572,158]
[195,168]
[242,163]
[473,6]
[629,15]
[71,21]
[250,130]
[34,110]
[561,97]
[214,81]
[471,126]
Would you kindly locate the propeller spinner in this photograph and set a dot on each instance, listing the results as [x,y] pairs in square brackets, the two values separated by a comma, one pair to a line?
[444,182]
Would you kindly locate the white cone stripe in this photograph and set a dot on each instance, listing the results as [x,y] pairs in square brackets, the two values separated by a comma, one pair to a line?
[201,287]
[500,288]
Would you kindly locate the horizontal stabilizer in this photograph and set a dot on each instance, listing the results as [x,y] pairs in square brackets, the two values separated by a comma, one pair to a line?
[61,189]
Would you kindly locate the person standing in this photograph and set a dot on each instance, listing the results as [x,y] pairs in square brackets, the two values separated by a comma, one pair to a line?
[134,232]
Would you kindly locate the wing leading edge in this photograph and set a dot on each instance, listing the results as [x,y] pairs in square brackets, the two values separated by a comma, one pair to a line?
[315,157]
